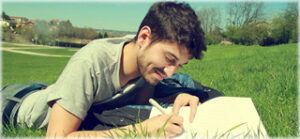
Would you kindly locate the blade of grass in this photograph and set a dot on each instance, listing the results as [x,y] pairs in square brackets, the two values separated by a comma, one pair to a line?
[231,129]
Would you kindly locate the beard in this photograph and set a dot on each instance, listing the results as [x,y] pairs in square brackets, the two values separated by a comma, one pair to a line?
[147,71]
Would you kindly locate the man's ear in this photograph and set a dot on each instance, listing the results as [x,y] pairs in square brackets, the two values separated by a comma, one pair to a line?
[144,36]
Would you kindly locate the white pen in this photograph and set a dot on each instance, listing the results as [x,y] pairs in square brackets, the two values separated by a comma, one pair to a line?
[156,105]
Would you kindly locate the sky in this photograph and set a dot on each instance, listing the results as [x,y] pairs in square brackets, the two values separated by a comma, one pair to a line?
[121,15]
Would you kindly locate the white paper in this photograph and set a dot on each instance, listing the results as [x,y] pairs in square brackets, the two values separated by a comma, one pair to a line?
[216,117]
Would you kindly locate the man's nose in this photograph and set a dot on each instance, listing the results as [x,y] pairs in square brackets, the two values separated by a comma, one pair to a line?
[170,70]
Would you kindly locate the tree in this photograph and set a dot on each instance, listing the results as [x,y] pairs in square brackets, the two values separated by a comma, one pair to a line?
[28,33]
[65,29]
[210,18]
[233,34]
[100,35]
[245,13]
[5,16]
[7,34]
[279,32]
[255,33]
[41,28]
[105,35]
[84,33]
[284,27]
[212,38]
[90,33]
[291,19]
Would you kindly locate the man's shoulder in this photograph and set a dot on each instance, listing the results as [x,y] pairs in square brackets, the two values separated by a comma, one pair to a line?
[102,51]
[112,41]
[106,46]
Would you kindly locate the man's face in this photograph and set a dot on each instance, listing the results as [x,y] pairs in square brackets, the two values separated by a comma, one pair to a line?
[161,59]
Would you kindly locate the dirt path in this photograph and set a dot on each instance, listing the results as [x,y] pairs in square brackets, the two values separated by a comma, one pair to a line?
[14,50]
[35,45]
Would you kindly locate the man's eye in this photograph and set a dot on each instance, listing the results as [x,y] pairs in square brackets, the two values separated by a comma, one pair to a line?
[170,61]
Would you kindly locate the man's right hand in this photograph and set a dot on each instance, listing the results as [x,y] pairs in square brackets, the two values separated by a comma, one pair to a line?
[173,128]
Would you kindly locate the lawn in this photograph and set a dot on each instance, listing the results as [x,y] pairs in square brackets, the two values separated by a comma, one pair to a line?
[266,74]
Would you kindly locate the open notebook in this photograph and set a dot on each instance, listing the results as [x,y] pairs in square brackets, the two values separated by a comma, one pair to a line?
[221,117]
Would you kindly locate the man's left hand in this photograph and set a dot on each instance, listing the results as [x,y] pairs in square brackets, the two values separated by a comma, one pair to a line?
[184,100]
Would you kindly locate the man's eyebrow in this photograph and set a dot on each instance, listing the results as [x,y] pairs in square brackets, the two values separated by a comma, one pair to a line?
[176,57]
[173,55]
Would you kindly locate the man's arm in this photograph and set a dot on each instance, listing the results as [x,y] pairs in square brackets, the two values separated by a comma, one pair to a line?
[62,122]
[151,126]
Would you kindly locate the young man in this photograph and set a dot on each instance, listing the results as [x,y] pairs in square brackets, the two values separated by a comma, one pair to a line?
[168,37]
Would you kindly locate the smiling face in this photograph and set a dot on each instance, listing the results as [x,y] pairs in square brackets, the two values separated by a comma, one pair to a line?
[161,59]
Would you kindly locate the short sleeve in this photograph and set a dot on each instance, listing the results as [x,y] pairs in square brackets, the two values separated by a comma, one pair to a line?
[74,89]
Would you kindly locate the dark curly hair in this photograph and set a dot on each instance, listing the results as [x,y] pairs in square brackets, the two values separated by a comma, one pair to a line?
[175,22]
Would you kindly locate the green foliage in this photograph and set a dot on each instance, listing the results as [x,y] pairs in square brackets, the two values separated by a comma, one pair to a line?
[42,30]
[232,34]
[251,34]
[105,35]
[279,32]
[49,34]
[284,26]
[291,16]
[100,35]
[7,34]
[42,33]
[84,33]
[65,29]
[212,38]
[282,29]
[28,33]
[5,16]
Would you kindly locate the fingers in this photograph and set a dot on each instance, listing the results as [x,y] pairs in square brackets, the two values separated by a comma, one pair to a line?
[183,100]
[193,105]
[174,126]
[178,103]
[176,108]
[176,120]
[173,130]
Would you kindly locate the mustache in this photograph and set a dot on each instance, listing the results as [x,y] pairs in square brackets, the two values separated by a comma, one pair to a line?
[161,71]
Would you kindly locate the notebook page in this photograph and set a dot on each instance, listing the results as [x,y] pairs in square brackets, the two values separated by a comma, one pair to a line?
[215,117]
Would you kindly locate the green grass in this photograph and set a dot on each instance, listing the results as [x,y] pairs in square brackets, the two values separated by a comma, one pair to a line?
[21,68]
[12,131]
[266,74]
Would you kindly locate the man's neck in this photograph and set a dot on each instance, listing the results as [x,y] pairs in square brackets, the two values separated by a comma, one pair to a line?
[128,68]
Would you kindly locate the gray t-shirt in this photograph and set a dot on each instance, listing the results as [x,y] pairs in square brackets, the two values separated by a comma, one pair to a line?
[91,76]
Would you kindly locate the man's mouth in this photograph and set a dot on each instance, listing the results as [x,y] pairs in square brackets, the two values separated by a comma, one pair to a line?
[160,74]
